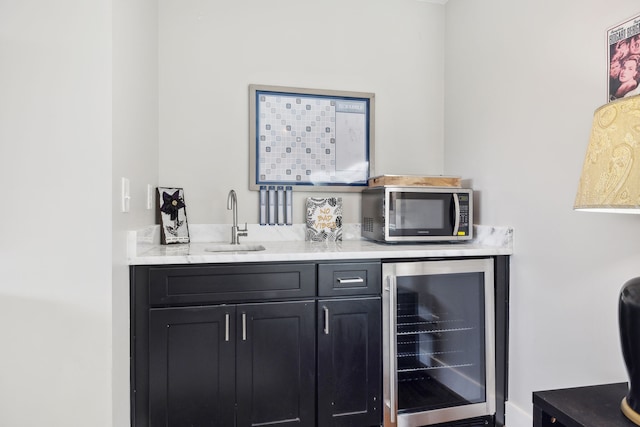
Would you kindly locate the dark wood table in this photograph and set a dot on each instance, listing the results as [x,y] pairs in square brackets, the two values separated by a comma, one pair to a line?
[591,406]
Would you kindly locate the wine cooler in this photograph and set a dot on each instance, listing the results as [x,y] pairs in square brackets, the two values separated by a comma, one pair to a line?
[439,343]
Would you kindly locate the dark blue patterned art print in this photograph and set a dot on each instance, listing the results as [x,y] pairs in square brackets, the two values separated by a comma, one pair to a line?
[311,138]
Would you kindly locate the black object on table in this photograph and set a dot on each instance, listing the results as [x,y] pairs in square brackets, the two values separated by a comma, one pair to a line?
[591,406]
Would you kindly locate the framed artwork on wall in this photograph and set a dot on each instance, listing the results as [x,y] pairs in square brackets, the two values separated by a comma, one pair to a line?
[623,56]
[309,138]
[171,214]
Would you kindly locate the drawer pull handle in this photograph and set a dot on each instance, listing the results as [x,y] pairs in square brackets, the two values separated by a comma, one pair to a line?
[244,326]
[351,280]
[326,320]
[226,327]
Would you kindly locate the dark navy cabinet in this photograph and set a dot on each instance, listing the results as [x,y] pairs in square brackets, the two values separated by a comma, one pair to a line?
[349,362]
[191,366]
[279,344]
[275,364]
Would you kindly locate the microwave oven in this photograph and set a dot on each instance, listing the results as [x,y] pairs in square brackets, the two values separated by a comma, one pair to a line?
[417,214]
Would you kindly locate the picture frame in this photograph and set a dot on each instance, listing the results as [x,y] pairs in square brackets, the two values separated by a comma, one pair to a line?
[324,219]
[312,139]
[623,59]
[171,214]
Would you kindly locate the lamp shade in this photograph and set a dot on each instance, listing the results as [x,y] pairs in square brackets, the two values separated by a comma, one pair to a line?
[610,180]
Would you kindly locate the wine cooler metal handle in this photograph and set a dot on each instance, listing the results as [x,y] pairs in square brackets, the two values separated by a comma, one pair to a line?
[326,320]
[393,365]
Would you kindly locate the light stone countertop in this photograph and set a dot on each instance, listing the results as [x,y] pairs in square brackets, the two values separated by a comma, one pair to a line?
[288,244]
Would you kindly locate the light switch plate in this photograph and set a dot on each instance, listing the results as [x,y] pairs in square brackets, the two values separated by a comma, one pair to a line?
[149,197]
[126,195]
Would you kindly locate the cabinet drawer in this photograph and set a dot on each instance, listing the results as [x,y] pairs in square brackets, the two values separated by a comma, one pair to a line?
[349,278]
[228,283]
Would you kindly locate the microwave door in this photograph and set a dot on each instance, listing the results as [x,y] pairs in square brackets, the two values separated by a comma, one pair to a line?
[416,214]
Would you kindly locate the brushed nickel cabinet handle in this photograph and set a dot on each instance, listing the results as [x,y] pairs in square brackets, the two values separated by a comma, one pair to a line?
[226,327]
[351,280]
[326,320]
[244,326]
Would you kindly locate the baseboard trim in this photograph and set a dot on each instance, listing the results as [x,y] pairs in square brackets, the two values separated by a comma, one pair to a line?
[516,416]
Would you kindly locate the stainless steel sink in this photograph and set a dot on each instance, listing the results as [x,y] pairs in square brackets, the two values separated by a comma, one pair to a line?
[228,247]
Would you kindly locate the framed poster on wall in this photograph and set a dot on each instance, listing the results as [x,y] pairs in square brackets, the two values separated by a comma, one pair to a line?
[311,138]
[623,41]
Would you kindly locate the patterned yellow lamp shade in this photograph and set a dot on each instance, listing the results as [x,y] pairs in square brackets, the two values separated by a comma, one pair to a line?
[610,180]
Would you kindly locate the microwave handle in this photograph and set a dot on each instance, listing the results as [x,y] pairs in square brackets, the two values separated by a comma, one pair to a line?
[456,204]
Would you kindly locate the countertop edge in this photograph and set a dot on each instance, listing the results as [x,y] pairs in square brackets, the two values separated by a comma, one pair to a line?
[489,241]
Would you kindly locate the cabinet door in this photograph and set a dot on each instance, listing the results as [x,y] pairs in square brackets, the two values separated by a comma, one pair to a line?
[192,366]
[276,364]
[349,362]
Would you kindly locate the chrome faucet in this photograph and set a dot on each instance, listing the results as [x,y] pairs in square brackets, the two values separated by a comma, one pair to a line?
[232,205]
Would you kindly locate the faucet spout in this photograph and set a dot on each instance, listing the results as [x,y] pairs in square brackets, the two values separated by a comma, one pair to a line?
[236,232]
[232,205]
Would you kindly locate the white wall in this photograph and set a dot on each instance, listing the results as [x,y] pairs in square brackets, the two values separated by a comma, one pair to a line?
[135,156]
[55,243]
[522,81]
[210,51]
[81,87]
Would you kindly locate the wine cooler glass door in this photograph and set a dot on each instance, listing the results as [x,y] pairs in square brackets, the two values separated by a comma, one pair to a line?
[444,341]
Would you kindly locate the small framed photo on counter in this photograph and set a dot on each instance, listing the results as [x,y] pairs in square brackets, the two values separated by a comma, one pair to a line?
[171,214]
[324,219]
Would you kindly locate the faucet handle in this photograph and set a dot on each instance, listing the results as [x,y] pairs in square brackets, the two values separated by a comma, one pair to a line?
[241,232]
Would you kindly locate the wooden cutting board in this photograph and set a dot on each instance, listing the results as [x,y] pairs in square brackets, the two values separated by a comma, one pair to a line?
[415,181]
